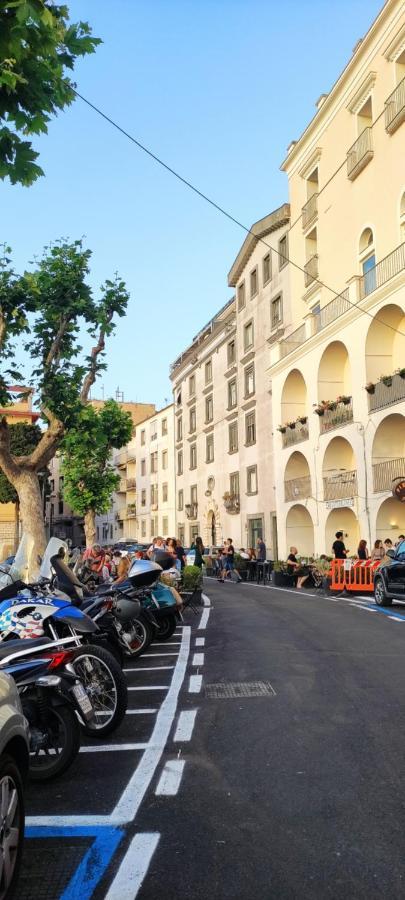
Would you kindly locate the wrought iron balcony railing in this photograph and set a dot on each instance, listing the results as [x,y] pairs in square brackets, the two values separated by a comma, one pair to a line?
[335,418]
[311,270]
[292,341]
[384,270]
[340,486]
[387,394]
[384,473]
[295,435]
[297,488]
[360,154]
[309,211]
[395,108]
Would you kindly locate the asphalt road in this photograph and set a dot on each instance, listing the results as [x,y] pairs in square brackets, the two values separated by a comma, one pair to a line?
[297,793]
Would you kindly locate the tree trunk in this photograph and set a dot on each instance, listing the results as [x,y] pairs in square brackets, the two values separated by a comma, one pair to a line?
[90,527]
[32,517]
[16,525]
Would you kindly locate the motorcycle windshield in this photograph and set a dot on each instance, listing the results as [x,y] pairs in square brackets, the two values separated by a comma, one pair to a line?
[52,549]
[18,570]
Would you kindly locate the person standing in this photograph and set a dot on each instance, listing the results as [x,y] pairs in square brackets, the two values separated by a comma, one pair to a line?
[261,550]
[378,551]
[338,547]
[362,551]
[199,551]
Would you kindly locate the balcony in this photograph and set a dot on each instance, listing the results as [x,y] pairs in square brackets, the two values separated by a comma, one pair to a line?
[384,473]
[292,342]
[387,394]
[311,270]
[131,511]
[309,212]
[332,310]
[191,510]
[395,108]
[297,488]
[340,486]
[231,503]
[121,459]
[360,154]
[335,418]
[154,506]
[295,435]
[131,484]
[384,270]
[122,486]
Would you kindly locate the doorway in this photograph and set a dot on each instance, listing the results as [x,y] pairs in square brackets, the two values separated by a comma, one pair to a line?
[255,531]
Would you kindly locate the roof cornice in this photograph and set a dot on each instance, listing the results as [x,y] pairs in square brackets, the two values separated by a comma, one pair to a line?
[269,223]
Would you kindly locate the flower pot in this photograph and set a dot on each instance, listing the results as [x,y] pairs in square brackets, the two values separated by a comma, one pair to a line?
[387,381]
[370,388]
[401,373]
[346,401]
[320,412]
[291,425]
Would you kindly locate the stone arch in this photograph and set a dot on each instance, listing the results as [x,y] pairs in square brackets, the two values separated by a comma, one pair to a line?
[342,519]
[297,478]
[385,346]
[293,397]
[390,521]
[388,452]
[339,471]
[300,530]
[334,373]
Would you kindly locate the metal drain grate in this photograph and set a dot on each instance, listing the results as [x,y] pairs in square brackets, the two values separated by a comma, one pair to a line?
[229,690]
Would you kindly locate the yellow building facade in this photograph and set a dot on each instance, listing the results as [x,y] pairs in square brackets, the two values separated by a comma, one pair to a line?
[338,376]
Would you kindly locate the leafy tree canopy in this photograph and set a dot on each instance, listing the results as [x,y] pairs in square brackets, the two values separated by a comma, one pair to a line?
[23,438]
[38,50]
[90,478]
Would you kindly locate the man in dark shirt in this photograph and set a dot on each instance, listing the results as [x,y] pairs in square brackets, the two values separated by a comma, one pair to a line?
[338,546]
[261,550]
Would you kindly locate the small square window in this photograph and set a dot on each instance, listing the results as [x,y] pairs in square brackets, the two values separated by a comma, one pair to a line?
[191,385]
[251,480]
[193,420]
[253,283]
[250,426]
[249,380]
[233,437]
[180,500]
[193,456]
[267,268]
[232,394]
[276,311]
[208,371]
[209,409]
[231,352]
[209,448]
[283,252]
[241,296]
[248,336]
[180,462]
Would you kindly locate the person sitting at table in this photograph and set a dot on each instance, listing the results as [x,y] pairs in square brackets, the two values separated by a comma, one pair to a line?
[294,568]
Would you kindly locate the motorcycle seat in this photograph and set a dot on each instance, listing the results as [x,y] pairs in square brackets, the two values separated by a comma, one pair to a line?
[8,647]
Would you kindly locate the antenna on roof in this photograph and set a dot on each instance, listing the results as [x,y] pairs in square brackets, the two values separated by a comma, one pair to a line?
[119,396]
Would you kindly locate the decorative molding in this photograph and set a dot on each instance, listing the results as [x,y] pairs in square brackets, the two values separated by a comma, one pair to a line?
[209,429]
[310,163]
[209,388]
[233,415]
[277,336]
[249,405]
[192,400]
[231,371]
[358,99]
[248,356]
[395,46]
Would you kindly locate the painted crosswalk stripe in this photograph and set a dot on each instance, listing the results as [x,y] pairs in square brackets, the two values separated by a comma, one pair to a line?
[150,687]
[204,619]
[112,748]
[141,712]
[169,781]
[134,867]
[185,725]
[199,642]
[198,659]
[171,653]
[195,684]
[149,669]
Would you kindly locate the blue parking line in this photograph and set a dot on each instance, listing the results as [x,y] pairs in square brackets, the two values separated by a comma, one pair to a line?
[386,611]
[94,862]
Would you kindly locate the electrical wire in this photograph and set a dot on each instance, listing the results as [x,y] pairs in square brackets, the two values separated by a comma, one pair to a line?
[223,211]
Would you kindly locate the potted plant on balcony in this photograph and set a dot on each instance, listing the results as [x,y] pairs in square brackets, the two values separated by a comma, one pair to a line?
[282,429]
[370,387]
[331,405]
[401,373]
[386,379]
[320,408]
[302,420]
[291,425]
[344,398]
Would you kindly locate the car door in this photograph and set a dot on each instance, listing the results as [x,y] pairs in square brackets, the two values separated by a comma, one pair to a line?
[396,571]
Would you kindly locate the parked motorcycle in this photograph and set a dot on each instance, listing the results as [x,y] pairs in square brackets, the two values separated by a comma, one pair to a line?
[53,700]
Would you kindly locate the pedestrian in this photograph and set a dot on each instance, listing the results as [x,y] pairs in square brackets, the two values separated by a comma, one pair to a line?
[338,547]
[261,550]
[388,544]
[171,547]
[300,573]
[401,537]
[378,550]
[362,551]
[229,562]
[198,548]
[180,554]
[157,544]
[122,563]
[106,570]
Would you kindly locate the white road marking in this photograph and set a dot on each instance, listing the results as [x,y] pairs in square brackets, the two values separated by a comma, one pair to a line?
[167,644]
[204,619]
[367,609]
[150,687]
[169,781]
[195,683]
[206,600]
[134,867]
[140,712]
[111,748]
[185,725]
[198,659]
[395,619]
[199,642]
[149,669]
[172,653]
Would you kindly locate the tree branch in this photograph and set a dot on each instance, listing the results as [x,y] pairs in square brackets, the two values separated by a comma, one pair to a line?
[45,450]
[56,343]
[7,462]
[92,373]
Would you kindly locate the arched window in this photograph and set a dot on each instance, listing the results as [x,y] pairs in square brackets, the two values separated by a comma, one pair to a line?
[367,261]
[402,218]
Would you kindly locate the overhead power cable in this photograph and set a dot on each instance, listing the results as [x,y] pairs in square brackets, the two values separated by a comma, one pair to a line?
[223,211]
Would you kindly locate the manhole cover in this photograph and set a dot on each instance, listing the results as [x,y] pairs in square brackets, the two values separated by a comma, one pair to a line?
[234,689]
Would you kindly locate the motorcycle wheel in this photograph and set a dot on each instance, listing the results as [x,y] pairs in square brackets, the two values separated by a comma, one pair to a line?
[61,745]
[106,687]
[144,635]
[167,627]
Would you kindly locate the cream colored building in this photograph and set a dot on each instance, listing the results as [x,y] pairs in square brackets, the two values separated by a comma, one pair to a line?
[223,427]
[346,173]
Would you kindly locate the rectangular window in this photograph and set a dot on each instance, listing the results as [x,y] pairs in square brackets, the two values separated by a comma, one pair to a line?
[209,409]
[143,527]
[60,508]
[209,448]
[154,462]
[164,459]
[180,462]
[283,252]
[232,394]
[233,437]
[234,484]
[250,426]
[180,428]
[193,456]
[193,494]
[249,380]
[164,426]
[267,268]
[231,352]
[241,296]
[276,311]
[208,371]
[143,436]
[182,534]
[180,500]
[143,497]
[143,466]
[253,283]
[193,420]
[165,491]
[153,494]
[191,386]
[251,480]
[248,336]
[153,431]
[165,525]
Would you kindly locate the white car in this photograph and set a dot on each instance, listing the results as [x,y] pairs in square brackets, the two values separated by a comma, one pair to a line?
[14,761]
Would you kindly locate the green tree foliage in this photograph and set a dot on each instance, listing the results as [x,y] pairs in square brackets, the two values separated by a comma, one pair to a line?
[23,438]
[89,477]
[38,51]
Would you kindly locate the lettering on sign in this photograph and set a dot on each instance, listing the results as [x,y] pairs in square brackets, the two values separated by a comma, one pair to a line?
[338,504]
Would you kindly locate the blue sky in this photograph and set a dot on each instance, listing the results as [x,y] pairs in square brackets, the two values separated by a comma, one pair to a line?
[218,90]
